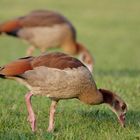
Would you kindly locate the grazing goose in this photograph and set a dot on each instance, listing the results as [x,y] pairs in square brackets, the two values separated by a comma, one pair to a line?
[45,29]
[59,76]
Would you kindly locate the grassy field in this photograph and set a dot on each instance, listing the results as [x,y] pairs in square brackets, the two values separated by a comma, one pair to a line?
[111,31]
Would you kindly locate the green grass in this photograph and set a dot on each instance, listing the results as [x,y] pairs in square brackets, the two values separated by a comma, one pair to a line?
[111,31]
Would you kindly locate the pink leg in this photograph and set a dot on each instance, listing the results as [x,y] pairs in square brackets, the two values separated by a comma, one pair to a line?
[51,117]
[31,115]
[30,51]
[43,50]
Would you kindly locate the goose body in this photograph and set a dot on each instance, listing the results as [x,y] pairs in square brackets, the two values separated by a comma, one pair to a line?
[57,84]
[59,76]
[46,29]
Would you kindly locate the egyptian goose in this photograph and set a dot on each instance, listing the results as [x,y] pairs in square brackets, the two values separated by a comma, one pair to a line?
[45,29]
[59,76]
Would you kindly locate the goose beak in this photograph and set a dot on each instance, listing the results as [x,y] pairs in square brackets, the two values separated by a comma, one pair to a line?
[122,119]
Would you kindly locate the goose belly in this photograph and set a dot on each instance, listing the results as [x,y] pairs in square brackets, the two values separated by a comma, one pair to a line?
[45,37]
[59,84]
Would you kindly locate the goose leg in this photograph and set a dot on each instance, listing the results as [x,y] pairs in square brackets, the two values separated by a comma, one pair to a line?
[31,115]
[51,117]
[43,49]
[30,50]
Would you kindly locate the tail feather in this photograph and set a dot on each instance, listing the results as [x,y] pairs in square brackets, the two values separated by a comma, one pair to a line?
[2,76]
[9,26]
[0,30]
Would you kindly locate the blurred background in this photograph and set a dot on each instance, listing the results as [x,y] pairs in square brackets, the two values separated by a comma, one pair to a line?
[110,29]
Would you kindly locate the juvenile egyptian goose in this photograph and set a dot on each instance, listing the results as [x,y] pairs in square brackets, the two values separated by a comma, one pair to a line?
[45,29]
[59,76]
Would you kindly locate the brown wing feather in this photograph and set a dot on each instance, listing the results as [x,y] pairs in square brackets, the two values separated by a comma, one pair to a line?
[35,18]
[52,60]
[17,67]
[42,18]
[56,60]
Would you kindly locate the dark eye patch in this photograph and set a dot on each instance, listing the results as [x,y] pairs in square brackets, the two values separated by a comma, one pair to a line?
[116,102]
[123,107]
[117,105]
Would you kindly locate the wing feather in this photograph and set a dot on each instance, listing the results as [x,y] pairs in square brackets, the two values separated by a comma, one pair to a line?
[17,67]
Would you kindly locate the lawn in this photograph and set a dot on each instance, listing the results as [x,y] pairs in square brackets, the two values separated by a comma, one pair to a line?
[111,31]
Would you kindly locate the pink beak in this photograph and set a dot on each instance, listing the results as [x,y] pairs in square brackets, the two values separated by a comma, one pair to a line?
[122,119]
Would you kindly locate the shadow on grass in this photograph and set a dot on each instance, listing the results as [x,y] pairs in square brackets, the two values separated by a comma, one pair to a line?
[100,116]
[132,117]
[119,73]
[16,135]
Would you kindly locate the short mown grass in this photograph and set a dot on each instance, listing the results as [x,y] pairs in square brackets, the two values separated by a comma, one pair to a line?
[111,31]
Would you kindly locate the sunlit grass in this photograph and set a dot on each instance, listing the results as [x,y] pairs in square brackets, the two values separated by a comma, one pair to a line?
[110,30]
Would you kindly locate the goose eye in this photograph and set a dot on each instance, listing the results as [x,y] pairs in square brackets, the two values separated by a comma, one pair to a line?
[117,105]
[117,102]
[123,107]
